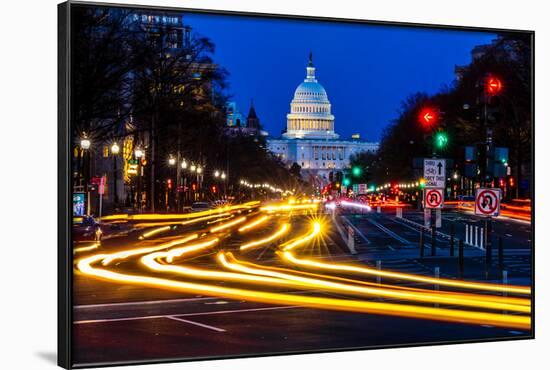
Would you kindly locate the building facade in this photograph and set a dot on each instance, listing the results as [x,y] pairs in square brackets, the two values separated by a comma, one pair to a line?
[310,139]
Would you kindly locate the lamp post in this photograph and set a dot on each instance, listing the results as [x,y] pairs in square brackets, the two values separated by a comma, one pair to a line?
[115,149]
[85,144]
[138,153]
[172,163]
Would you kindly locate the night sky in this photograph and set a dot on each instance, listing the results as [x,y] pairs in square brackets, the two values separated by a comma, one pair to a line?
[367,70]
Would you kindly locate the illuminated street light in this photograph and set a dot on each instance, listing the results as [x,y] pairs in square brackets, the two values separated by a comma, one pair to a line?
[171,161]
[139,153]
[115,149]
[193,168]
[184,164]
[85,143]
[223,176]
[217,173]
[199,169]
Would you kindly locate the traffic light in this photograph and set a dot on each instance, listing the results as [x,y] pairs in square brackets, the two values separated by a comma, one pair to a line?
[214,189]
[169,183]
[346,182]
[493,85]
[428,117]
[356,171]
[441,140]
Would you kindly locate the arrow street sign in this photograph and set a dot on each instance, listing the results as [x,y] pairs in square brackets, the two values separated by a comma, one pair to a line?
[487,202]
[434,173]
[433,198]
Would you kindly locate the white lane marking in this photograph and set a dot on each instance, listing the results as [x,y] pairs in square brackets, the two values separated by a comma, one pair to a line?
[508,235]
[357,230]
[196,323]
[389,232]
[94,321]
[138,303]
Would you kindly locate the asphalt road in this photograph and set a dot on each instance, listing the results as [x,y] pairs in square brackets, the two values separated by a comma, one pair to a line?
[116,321]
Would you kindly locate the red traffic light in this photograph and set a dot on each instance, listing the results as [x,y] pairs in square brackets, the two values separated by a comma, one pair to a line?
[428,117]
[493,86]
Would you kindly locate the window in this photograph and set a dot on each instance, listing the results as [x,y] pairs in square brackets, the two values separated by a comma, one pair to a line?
[105,151]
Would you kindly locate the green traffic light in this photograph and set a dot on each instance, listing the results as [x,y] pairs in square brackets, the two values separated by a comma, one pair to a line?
[346,182]
[356,171]
[441,140]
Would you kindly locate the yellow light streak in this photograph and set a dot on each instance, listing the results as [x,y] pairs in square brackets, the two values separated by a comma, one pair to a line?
[253,224]
[177,222]
[376,292]
[479,297]
[288,207]
[86,248]
[304,239]
[283,230]
[286,255]
[228,224]
[177,252]
[392,309]
[133,252]
[155,232]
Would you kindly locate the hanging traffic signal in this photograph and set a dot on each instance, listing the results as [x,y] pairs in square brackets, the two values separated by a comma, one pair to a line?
[428,117]
[441,140]
[214,189]
[493,85]
[346,182]
[356,171]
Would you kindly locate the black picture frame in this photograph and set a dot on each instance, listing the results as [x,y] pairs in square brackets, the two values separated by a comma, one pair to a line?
[65,256]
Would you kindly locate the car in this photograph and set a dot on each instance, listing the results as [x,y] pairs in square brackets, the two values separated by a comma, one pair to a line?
[200,206]
[85,228]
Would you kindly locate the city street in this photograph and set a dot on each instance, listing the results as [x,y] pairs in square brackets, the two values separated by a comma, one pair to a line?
[269,278]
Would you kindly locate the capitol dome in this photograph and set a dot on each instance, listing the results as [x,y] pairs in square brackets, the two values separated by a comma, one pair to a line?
[310,110]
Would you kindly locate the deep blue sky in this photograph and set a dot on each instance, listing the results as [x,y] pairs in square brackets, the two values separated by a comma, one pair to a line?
[367,70]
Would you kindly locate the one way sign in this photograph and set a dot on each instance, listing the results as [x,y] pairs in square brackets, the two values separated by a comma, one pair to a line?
[434,173]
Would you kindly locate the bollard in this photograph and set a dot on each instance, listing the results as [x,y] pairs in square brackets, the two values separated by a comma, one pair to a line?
[379,267]
[452,241]
[482,237]
[461,258]
[433,240]
[466,233]
[505,282]
[500,256]
[421,242]
[377,209]
[471,234]
[476,230]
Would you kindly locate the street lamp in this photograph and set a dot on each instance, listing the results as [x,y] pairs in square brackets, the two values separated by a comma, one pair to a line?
[193,168]
[184,164]
[115,149]
[85,143]
[199,169]
[217,173]
[171,161]
[139,153]
[223,175]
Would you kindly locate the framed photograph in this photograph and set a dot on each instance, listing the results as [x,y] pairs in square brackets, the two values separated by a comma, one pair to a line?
[238,184]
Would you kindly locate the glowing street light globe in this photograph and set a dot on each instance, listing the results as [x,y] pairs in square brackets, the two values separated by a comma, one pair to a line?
[184,165]
[85,143]
[193,168]
[115,149]
[223,175]
[139,153]
[199,169]
[171,161]
[217,173]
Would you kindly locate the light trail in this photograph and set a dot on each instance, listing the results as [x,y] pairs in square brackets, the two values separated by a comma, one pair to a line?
[279,233]
[392,309]
[87,248]
[304,239]
[456,299]
[288,256]
[188,222]
[253,224]
[345,203]
[479,297]
[228,224]
[134,252]
[289,207]
[156,231]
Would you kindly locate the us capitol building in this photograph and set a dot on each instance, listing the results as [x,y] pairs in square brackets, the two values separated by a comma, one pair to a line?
[310,139]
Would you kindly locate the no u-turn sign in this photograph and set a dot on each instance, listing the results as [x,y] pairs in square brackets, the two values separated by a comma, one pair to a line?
[487,202]
[433,198]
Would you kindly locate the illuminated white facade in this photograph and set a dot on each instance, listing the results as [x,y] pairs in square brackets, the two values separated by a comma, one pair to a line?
[310,139]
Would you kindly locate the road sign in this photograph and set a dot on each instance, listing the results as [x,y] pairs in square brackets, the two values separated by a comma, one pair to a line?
[434,173]
[101,186]
[487,202]
[362,188]
[433,198]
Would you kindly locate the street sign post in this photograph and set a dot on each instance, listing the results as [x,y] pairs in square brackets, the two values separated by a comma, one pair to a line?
[433,198]
[487,202]
[434,173]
